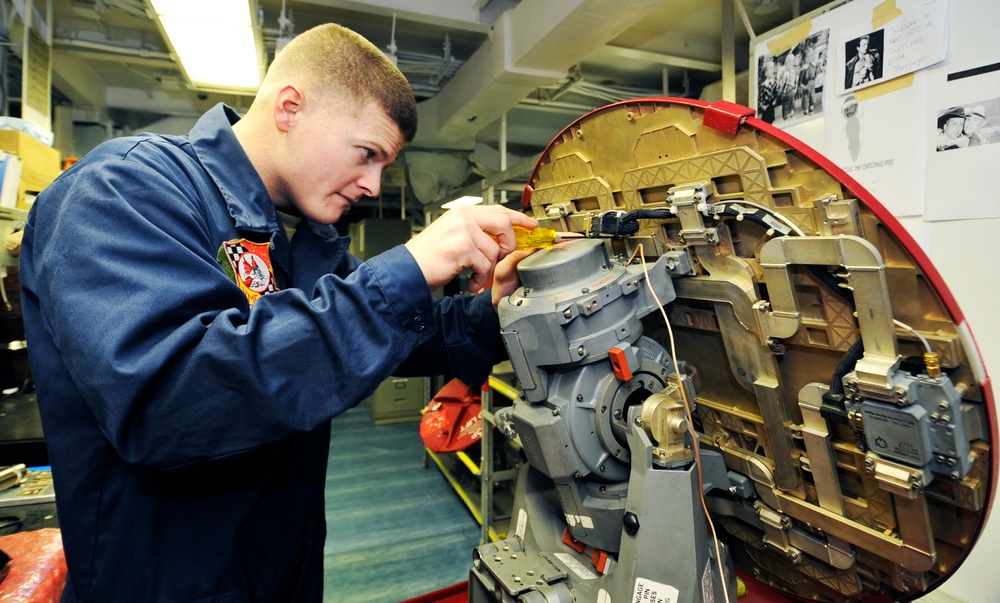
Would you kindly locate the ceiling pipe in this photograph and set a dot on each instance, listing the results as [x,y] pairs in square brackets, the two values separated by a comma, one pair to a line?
[533,45]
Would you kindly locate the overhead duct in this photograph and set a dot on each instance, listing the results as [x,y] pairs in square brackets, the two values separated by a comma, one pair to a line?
[532,45]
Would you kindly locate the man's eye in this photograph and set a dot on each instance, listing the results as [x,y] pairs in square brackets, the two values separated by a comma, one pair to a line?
[367,153]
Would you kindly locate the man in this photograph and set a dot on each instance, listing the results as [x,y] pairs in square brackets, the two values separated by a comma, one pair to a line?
[974,119]
[865,60]
[950,130]
[788,81]
[189,357]
[768,94]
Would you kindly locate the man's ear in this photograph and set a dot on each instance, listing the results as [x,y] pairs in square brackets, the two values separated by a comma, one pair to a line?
[287,104]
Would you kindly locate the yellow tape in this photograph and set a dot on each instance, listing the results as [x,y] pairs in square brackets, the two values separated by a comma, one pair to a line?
[893,85]
[883,13]
[788,40]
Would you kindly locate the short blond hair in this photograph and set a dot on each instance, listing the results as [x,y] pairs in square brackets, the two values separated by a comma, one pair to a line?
[335,59]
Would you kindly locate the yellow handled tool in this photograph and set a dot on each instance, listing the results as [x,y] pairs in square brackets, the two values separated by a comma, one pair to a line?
[539,238]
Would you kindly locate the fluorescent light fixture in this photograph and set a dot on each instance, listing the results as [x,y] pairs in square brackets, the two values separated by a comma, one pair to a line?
[218,43]
[466,200]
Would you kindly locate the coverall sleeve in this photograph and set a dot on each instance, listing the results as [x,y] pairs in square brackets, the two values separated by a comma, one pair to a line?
[163,347]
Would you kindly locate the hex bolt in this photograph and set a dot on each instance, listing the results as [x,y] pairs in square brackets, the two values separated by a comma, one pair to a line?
[618,413]
[568,313]
[946,418]
[581,351]
[943,405]
[638,421]
[955,475]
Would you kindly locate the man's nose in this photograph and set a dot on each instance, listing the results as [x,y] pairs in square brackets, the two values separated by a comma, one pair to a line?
[371,181]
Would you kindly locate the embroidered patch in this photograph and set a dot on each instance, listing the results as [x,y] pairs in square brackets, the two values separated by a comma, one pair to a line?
[249,265]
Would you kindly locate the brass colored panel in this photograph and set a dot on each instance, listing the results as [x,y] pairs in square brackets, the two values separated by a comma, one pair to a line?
[765,320]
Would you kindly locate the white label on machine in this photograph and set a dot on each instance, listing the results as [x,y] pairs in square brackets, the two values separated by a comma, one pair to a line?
[647,591]
[583,520]
[707,588]
[576,567]
[603,596]
[522,523]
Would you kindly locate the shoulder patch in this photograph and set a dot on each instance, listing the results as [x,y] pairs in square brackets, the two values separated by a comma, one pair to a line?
[248,264]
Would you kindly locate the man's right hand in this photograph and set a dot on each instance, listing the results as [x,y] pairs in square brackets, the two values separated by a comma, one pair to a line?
[475,237]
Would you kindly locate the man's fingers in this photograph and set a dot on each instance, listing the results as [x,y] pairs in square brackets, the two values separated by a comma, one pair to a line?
[482,271]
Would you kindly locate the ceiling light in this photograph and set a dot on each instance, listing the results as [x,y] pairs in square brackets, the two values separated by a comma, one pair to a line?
[218,43]
[466,200]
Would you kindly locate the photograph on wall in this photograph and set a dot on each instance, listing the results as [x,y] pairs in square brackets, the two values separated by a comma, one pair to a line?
[863,60]
[968,125]
[962,123]
[914,39]
[790,85]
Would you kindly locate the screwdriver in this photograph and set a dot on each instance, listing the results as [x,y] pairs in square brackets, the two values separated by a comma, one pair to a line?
[540,238]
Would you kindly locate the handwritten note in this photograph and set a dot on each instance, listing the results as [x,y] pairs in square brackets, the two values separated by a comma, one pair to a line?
[916,39]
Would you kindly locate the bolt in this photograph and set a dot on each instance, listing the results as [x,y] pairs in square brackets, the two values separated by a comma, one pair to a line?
[946,418]
[618,413]
[568,313]
[638,421]
[555,412]
[955,475]
[943,405]
[900,393]
[951,462]
[681,239]
[585,290]
[581,351]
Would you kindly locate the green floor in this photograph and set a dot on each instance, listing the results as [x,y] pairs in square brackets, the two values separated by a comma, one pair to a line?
[395,529]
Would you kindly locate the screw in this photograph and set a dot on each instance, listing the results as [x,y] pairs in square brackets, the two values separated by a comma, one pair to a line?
[585,290]
[581,351]
[568,313]
[638,421]
[955,475]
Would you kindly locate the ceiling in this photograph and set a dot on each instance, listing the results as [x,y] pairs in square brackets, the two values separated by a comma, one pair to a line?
[538,64]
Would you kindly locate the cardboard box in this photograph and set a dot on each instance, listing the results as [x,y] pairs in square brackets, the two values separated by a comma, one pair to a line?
[40,163]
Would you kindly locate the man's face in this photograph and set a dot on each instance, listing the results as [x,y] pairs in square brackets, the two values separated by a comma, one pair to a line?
[972,123]
[953,127]
[862,46]
[335,158]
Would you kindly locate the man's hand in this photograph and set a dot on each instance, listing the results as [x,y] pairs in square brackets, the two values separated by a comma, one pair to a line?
[475,237]
[505,277]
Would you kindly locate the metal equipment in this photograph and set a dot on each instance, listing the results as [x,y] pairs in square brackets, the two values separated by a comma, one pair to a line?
[809,394]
